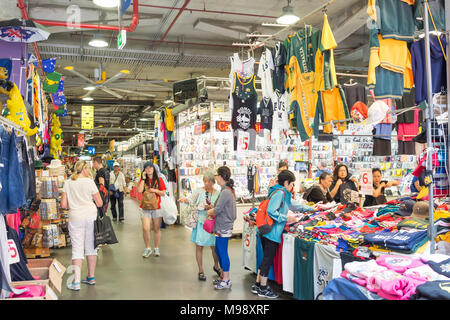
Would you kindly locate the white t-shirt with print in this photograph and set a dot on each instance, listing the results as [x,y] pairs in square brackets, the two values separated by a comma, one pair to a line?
[280,120]
[265,74]
[80,197]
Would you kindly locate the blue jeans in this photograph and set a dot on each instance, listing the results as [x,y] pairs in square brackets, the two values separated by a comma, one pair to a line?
[28,182]
[113,206]
[12,194]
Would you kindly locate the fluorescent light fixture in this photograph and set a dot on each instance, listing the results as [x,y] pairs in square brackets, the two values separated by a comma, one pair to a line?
[144,119]
[268,24]
[98,41]
[436,33]
[87,99]
[107,3]
[288,16]
[90,88]
[128,129]
[168,101]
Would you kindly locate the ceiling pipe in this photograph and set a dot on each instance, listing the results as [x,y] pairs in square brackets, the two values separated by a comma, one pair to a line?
[174,20]
[134,22]
[209,11]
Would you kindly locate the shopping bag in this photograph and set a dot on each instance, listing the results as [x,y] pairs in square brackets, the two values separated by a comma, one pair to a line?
[208,225]
[103,231]
[169,210]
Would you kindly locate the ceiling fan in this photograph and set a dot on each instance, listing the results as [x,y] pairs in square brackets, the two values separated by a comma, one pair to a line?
[102,83]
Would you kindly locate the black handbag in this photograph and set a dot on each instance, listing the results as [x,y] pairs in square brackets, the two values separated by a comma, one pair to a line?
[103,231]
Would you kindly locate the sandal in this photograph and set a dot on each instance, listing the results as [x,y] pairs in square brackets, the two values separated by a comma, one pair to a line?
[223,285]
[218,280]
[88,280]
[218,271]
[75,286]
[201,276]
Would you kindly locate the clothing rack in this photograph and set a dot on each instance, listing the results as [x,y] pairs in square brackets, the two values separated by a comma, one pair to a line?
[12,125]
[322,8]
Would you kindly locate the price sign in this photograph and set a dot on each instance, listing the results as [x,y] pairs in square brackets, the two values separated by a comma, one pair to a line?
[80,140]
[366,182]
[243,141]
[12,252]
[87,117]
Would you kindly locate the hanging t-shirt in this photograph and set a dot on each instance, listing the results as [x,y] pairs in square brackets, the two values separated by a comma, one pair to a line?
[324,256]
[249,247]
[266,111]
[80,198]
[407,131]
[245,69]
[18,260]
[304,270]
[170,122]
[408,100]
[355,92]
[288,262]
[280,114]
[265,73]
[279,60]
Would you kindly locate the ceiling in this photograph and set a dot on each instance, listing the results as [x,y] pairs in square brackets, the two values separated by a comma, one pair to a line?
[171,44]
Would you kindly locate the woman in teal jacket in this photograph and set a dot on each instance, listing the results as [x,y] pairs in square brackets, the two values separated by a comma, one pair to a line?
[280,203]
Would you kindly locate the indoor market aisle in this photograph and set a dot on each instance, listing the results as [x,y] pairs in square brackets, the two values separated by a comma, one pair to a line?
[122,273]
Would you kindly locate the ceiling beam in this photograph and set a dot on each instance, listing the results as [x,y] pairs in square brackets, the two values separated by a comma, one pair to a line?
[216,29]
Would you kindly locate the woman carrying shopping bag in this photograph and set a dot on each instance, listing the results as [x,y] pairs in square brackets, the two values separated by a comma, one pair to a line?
[152,188]
[224,214]
[201,200]
[81,196]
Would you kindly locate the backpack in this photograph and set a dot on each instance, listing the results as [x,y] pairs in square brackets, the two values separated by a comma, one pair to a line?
[264,222]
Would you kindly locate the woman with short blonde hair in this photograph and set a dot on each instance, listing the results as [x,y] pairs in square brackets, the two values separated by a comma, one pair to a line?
[81,196]
[204,199]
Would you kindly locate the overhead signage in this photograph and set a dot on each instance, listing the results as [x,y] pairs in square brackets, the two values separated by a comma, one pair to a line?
[80,140]
[87,117]
[122,39]
[92,150]
[201,128]
[223,126]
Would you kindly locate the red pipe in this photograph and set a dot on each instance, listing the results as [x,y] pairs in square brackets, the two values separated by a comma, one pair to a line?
[209,11]
[174,20]
[131,28]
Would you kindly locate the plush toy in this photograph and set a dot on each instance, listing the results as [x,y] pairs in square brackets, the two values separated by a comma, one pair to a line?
[17,110]
[56,137]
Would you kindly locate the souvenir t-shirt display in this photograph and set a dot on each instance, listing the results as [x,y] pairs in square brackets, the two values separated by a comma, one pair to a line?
[266,111]
[354,92]
[279,61]
[280,115]
[265,72]
[244,69]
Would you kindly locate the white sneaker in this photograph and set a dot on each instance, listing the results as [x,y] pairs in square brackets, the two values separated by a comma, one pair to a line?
[157,254]
[147,252]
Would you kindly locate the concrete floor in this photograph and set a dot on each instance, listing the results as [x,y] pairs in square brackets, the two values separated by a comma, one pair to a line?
[123,274]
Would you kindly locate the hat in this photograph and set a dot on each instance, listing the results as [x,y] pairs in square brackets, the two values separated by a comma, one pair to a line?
[38,164]
[361,108]
[116,164]
[421,210]
[376,113]
[406,208]
[56,163]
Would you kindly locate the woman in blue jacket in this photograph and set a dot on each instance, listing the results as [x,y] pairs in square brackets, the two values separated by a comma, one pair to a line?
[280,203]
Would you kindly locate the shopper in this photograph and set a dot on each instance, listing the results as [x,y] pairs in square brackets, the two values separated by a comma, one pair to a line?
[322,168]
[418,183]
[343,184]
[282,165]
[277,208]
[320,192]
[202,200]
[117,179]
[102,182]
[378,196]
[150,182]
[81,196]
[225,214]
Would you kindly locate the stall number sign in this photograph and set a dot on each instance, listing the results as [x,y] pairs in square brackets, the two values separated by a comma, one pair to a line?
[13,253]
[243,141]
[366,182]
[87,117]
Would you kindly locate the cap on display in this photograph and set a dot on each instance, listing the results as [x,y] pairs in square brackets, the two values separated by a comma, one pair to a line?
[406,208]
[421,209]
[376,113]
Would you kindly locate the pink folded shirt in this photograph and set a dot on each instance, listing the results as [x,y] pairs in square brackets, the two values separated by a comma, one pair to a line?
[398,263]
[33,291]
